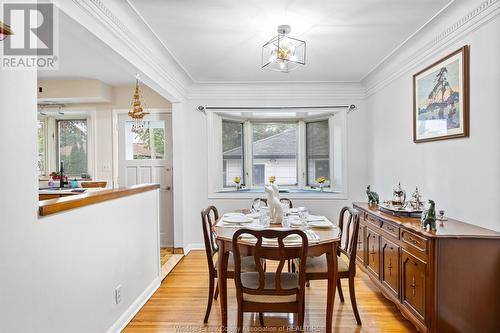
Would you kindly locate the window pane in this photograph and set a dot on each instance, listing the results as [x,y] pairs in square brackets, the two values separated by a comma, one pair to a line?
[73,146]
[318,152]
[232,152]
[149,144]
[274,150]
[41,147]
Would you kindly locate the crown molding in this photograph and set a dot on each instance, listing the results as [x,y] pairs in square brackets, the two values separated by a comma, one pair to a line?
[160,69]
[277,91]
[474,19]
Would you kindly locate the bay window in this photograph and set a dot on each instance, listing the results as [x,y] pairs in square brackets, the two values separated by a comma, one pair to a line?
[294,150]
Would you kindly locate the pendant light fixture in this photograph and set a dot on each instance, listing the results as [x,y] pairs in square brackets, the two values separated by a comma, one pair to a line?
[137,112]
[283,53]
[4,31]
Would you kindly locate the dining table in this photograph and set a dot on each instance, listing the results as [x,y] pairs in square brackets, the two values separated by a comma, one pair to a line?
[321,241]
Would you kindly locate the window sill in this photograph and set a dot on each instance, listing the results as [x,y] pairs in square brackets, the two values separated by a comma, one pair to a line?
[288,193]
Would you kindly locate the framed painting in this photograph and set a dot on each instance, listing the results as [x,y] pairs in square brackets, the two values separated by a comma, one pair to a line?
[441,99]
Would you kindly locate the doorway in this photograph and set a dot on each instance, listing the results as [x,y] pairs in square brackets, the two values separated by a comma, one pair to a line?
[145,156]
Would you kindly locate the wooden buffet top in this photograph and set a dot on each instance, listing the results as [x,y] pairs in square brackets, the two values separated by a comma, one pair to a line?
[448,229]
[53,206]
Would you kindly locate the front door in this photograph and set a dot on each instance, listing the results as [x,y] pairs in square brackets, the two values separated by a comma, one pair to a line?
[145,156]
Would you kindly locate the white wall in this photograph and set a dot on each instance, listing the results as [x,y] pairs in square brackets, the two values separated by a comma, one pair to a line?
[461,175]
[191,144]
[59,273]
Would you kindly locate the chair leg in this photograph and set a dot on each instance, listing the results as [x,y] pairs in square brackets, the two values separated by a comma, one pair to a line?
[216,291]
[301,314]
[210,298]
[261,319]
[240,320]
[352,294]
[289,266]
[308,284]
[339,289]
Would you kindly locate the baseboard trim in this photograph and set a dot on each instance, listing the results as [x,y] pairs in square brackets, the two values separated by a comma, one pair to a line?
[193,246]
[132,310]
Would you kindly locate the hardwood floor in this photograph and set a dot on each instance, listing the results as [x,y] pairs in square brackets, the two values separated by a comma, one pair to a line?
[179,306]
[165,254]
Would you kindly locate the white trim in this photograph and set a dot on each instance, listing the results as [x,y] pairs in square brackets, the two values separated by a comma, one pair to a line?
[132,310]
[193,247]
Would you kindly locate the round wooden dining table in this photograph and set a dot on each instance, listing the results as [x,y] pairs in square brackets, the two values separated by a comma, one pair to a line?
[328,242]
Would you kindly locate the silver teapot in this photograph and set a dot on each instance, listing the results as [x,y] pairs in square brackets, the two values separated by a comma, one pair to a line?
[398,196]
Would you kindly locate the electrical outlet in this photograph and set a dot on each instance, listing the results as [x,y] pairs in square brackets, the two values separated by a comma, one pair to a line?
[106,166]
[118,294]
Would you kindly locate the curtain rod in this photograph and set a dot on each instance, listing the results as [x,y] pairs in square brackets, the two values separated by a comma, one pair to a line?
[349,107]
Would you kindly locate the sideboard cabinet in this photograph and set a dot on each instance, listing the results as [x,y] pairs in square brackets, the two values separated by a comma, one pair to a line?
[446,280]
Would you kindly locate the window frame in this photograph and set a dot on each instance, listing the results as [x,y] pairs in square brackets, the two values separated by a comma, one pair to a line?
[337,121]
[51,117]
[243,152]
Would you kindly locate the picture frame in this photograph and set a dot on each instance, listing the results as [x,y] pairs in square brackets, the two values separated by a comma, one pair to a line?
[441,98]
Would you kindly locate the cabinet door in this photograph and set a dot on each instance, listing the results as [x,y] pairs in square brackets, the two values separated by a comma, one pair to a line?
[360,250]
[373,248]
[413,282]
[390,265]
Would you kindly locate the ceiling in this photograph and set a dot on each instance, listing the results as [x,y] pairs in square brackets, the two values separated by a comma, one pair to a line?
[220,40]
[84,56]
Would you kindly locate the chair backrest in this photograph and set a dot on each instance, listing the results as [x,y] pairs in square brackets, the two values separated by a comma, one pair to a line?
[277,252]
[264,201]
[349,228]
[209,217]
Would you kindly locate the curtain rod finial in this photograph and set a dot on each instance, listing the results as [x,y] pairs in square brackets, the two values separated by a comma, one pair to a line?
[352,107]
[201,108]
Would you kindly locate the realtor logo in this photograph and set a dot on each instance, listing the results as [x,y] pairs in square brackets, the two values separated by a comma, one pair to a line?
[33,44]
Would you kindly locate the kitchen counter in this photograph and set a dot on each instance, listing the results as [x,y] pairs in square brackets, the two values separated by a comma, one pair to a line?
[70,200]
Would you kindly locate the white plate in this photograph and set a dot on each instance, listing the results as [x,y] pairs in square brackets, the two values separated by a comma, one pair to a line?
[252,215]
[320,224]
[312,218]
[233,214]
[237,219]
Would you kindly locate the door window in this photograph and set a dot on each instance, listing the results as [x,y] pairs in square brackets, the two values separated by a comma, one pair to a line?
[148,144]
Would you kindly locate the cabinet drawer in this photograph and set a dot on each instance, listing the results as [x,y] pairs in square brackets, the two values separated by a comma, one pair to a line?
[414,240]
[373,220]
[391,229]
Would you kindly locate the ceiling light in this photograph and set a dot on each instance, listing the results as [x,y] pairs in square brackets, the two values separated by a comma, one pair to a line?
[4,31]
[137,113]
[283,53]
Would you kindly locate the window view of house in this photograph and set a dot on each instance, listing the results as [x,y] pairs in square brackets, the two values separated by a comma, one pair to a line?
[232,147]
[318,152]
[274,153]
[149,144]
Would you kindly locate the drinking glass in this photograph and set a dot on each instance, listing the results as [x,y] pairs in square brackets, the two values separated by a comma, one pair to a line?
[256,206]
[264,218]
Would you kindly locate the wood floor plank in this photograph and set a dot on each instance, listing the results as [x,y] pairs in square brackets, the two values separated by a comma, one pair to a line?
[179,306]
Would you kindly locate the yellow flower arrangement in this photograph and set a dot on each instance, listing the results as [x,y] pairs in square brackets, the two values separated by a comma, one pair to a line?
[237,179]
[321,180]
[272,179]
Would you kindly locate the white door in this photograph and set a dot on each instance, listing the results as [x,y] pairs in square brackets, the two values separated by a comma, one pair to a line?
[146,157]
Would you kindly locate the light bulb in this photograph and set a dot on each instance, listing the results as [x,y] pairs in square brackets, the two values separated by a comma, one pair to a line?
[282,65]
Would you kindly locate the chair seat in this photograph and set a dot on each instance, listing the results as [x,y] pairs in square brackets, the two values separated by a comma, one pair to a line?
[319,264]
[288,281]
[247,263]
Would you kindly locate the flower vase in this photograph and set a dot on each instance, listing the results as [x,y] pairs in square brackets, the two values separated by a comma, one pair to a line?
[321,187]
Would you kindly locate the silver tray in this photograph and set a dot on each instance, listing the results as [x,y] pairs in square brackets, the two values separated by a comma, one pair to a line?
[405,211]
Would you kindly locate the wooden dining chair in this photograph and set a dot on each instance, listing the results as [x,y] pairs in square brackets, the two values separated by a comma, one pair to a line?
[209,218]
[274,291]
[317,269]
[264,201]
